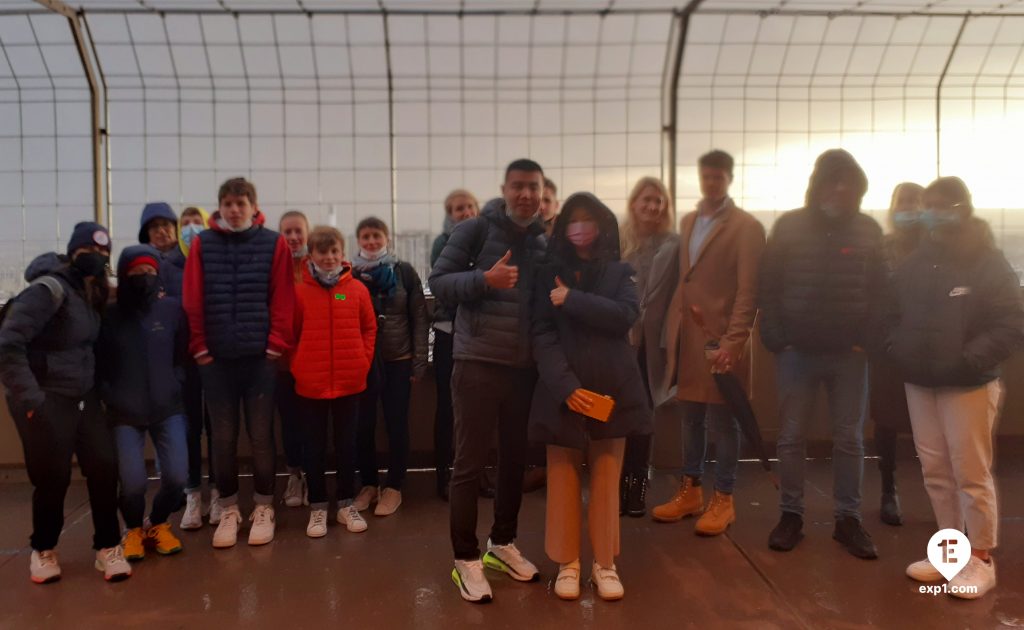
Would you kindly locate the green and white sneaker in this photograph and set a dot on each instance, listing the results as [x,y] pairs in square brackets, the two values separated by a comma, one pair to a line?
[469,576]
[508,559]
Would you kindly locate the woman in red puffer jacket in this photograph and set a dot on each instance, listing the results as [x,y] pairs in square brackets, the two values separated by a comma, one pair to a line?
[336,330]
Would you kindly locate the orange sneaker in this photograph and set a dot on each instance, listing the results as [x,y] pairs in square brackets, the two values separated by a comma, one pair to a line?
[688,500]
[163,539]
[133,545]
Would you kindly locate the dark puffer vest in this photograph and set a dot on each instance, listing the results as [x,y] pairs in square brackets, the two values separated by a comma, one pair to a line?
[236,290]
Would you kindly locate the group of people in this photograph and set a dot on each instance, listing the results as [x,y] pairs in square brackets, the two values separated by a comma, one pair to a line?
[553,326]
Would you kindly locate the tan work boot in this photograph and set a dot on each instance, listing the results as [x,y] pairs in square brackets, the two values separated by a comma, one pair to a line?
[719,515]
[688,500]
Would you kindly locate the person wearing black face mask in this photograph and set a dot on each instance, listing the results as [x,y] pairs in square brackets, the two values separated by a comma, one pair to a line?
[141,356]
[47,369]
[821,288]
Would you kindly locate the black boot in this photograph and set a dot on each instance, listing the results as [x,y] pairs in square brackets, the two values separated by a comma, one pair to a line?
[890,513]
[787,533]
[851,534]
[624,493]
[636,501]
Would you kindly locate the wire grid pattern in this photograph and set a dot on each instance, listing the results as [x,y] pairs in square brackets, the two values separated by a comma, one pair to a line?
[381,107]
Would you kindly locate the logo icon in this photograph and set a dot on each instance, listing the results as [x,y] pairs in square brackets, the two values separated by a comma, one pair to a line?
[949,551]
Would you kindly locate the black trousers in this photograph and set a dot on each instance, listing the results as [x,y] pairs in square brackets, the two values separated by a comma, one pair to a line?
[61,428]
[390,382]
[198,421]
[291,425]
[637,457]
[444,415]
[488,397]
[316,416]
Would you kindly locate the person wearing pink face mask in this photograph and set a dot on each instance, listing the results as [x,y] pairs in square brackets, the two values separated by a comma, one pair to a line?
[585,303]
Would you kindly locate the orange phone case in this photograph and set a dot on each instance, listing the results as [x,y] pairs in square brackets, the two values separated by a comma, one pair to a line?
[602,408]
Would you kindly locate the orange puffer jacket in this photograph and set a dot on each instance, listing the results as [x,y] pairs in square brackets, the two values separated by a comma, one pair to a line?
[336,331]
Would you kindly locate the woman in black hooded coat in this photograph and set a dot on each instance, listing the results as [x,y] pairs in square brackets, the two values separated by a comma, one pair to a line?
[585,303]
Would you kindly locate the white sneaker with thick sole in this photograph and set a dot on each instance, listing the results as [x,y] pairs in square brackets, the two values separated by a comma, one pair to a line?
[262,530]
[193,516]
[295,491]
[366,496]
[388,503]
[215,508]
[978,574]
[352,520]
[317,527]
[508,559]
[606,579]
[227,529]
[113,564]
[44,567]
[923,571]
[567,584]
[469,576]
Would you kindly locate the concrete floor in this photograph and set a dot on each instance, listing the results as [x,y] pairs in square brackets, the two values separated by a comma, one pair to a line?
[396,575]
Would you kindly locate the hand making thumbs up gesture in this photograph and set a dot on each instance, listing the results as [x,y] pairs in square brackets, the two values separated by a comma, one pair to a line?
[502,275]
[559,293]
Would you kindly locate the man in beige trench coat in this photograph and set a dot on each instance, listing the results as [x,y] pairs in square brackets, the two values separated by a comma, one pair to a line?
[715,268]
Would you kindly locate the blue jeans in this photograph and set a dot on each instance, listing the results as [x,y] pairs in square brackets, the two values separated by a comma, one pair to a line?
[170,439]
[845,377]
[698,419]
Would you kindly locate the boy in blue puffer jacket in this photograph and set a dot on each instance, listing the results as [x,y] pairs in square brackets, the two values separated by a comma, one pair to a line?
[141,353]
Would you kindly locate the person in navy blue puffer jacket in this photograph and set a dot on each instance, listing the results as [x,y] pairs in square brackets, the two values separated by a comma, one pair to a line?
[141,354]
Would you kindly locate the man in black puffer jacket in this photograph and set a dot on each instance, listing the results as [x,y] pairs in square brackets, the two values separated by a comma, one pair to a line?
[821,293]
[487,269]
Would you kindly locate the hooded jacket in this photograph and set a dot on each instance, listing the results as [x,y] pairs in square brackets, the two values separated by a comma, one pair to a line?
[140,358]
[585,342]
[336,330]
[822,280]
[239,292]
[171,274]
[491,325]
[47,338]
[956,312]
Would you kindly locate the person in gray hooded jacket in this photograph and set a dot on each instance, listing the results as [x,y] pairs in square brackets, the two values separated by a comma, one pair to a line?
[486,270]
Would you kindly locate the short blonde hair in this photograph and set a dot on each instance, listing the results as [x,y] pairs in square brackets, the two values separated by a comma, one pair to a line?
[323,236]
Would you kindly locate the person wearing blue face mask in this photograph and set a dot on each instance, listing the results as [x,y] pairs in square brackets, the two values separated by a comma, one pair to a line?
[888,399]
[956,315]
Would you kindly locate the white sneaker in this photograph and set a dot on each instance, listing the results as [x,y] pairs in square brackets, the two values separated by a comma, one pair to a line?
[317,527]
[388,503]
[509,559]
[352,520]
[193,516]
[227,529]
[216,511]
[262,530]
[978,574]
[366,496]
[44,566]
[567,584]
[923,571]
[113,564]
[609,588]
[469,576]
[295,491]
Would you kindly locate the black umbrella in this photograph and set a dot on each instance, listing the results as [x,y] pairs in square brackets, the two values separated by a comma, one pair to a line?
[736,399]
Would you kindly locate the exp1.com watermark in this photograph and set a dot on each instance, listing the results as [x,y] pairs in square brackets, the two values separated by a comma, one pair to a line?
[949,551]
[945,589]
